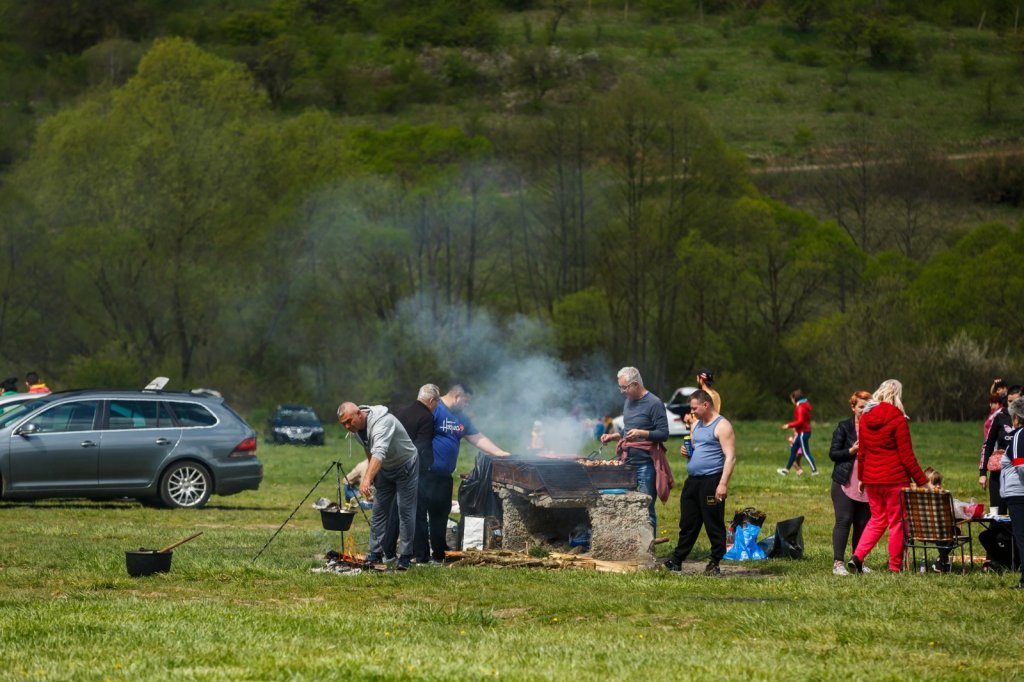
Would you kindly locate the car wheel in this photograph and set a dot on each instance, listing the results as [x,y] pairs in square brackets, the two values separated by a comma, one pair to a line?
[187,485]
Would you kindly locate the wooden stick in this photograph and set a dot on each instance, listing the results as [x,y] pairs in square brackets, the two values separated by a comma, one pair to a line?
[168,548]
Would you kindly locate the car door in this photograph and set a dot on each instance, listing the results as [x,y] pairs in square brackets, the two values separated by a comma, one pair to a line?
[137,438]
[57,449]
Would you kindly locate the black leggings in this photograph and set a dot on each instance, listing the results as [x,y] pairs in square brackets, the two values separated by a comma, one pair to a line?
[995,498]
[849,514]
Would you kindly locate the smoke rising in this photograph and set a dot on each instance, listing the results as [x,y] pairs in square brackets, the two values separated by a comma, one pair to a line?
[515,376]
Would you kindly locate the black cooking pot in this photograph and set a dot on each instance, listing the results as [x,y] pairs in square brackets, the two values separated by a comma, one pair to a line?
[336,520]
[147,562]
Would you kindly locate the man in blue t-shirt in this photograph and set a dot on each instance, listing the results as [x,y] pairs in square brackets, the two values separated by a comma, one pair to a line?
[451,425]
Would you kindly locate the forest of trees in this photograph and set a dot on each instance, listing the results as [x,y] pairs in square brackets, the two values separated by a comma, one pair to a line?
[243,203]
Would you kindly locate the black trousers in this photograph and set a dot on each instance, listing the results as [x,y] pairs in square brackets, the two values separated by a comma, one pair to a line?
[850,515]
[995,498]
[699,508]
[434,504]
[1016,509]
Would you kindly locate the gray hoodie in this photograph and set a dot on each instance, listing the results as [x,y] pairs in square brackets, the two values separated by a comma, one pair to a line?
[388,441]
[1011,481]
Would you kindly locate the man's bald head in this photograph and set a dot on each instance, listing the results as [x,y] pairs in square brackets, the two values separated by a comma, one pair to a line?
[351,417]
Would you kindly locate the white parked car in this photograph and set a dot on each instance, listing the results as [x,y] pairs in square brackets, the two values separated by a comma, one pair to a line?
[676,407]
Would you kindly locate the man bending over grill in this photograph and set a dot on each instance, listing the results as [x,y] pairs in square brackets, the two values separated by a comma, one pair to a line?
[709,469]
[393,470]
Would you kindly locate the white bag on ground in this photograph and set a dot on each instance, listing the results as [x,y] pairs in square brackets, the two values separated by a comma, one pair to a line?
[472,532]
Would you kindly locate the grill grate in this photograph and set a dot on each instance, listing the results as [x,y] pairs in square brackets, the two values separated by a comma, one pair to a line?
[561,479]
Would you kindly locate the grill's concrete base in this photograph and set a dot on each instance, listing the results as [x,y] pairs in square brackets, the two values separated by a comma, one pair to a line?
[620,529]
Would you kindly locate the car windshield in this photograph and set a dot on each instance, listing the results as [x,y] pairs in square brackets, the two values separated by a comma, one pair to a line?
[12,413]
[298,417]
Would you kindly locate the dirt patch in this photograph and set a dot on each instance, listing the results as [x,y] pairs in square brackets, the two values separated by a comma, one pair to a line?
[509,613]
[728,570]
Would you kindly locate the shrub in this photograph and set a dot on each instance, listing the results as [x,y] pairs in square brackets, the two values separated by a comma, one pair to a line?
[662,42]
[810,56]
[702,80]
[249,28]
[998,180]
[970,67]
[889,44]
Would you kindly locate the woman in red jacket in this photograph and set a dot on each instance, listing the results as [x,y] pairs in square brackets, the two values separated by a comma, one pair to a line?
[885,464]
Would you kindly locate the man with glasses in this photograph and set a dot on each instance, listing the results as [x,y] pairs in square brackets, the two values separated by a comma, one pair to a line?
[642,446]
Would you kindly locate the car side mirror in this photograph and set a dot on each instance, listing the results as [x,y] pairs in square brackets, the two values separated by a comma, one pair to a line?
[27,430]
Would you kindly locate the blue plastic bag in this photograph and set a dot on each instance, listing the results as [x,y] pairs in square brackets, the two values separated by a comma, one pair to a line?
[744,546]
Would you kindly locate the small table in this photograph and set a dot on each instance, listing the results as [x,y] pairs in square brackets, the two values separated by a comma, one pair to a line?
[988,522]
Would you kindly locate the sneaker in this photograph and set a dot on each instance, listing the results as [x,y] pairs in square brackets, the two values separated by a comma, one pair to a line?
[799,472]
[855,565]
[839,569]
[390,560]
[712,569]
[941,567]
[864,569]
[782,472]
[404,563]
[815,472]
[371,560]
[672,565]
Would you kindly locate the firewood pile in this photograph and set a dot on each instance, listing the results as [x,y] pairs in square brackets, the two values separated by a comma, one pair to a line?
[503,558]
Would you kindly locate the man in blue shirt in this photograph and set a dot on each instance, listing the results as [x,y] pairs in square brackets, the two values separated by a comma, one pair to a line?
[645,423]
[451,425]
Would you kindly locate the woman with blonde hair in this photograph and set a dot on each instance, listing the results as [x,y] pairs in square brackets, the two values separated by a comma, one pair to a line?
[885,464]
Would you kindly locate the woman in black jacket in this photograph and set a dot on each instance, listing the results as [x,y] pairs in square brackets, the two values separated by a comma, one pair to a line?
[848,500]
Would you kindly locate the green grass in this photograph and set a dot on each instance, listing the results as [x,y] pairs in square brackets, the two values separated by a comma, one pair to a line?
[757,100]
[69,611]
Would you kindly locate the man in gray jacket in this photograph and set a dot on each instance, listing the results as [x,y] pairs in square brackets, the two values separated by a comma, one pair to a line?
[393,469]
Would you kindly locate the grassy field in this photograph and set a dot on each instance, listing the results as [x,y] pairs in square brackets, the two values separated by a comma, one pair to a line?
[69,611]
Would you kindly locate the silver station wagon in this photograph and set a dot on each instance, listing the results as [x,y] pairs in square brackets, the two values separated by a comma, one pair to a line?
[162,447]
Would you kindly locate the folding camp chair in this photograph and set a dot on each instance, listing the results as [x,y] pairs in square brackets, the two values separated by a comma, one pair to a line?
[929,524]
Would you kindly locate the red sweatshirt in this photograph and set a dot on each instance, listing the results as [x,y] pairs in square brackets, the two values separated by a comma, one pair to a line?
[801,417]
[885,455]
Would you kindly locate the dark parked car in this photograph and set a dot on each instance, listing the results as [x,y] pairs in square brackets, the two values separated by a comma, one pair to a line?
[295,424]
[162,447]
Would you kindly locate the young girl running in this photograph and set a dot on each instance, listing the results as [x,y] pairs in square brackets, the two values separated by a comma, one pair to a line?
[802,425]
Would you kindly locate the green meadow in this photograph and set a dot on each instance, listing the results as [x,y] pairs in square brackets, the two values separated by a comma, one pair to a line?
[69,611]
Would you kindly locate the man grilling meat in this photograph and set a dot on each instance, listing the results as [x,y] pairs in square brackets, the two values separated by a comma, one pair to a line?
[645,423]
[450,426]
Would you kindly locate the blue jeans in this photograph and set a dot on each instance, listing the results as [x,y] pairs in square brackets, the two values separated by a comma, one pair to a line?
[646,483]
[801,442]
